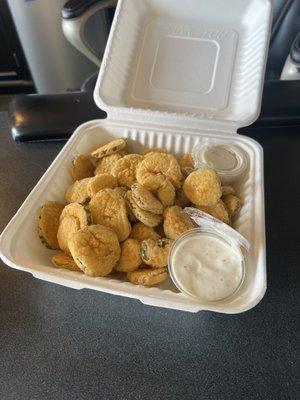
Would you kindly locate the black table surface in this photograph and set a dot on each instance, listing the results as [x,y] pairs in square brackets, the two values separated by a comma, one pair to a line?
[59,343]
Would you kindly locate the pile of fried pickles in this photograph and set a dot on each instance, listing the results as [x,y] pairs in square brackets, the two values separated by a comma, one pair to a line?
[124,211]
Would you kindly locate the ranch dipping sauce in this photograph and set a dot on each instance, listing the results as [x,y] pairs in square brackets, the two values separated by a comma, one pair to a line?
[206,266]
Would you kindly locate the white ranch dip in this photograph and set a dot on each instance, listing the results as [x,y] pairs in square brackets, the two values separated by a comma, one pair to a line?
[206,267]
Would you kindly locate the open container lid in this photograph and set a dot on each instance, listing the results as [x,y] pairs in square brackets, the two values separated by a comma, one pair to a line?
[193,64]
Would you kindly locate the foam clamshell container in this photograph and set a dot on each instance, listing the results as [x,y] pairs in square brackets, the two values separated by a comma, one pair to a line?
[174,73]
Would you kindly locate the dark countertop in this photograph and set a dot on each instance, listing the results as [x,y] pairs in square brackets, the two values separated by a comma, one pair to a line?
[58,343]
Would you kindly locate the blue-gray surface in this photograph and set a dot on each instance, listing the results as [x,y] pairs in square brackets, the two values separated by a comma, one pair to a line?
[58,343]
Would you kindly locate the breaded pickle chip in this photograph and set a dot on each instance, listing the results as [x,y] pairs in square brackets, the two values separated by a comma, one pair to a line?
[233,205]
[82,167]
[148,276]
[203,187]
[130,258]
[73,217]
[99,182]
[67,227]
[218,211]
[186,161]
[153,171]
[155,252]
[63,260]
[166,193]
[95,249]
[145,217]
[142,232]
[146,200]
[78,211]
[48,221]
[125,169]
[109,148]
[227,190]
[176,222]
[106,164]
[108,208]
[77,193]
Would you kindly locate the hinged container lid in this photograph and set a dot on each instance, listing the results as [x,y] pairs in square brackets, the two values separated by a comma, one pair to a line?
[195,64]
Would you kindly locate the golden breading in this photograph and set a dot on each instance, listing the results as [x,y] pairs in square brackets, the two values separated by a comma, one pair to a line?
[125,169]
[121,190]
[108,208]
[146,217]
[218,211]
[146,200]
[99,182]
[142,232]
[82,167]
[227,190]
[78,211]
[186,161]
[130,258]
[153,171]
[48,221]
[153,150]
[148,276]
[95,249]
[181,200]
[176,222]
[73,217]
[109,148]
[106,164]
[203,187]
[233,205]
[166,194]
[63,260]
[155,252]
[67,227]
[77,193]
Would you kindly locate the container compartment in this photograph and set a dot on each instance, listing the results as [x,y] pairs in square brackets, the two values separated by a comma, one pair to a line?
[22,249]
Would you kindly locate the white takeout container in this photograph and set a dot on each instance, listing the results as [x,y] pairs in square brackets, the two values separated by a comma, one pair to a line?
[173,74]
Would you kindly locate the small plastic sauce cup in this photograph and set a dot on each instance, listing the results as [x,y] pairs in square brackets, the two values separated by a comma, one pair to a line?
[229,161]
[207,263]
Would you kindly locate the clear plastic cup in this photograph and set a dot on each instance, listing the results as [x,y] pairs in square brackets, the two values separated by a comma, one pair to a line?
[229,161]
[211,228]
